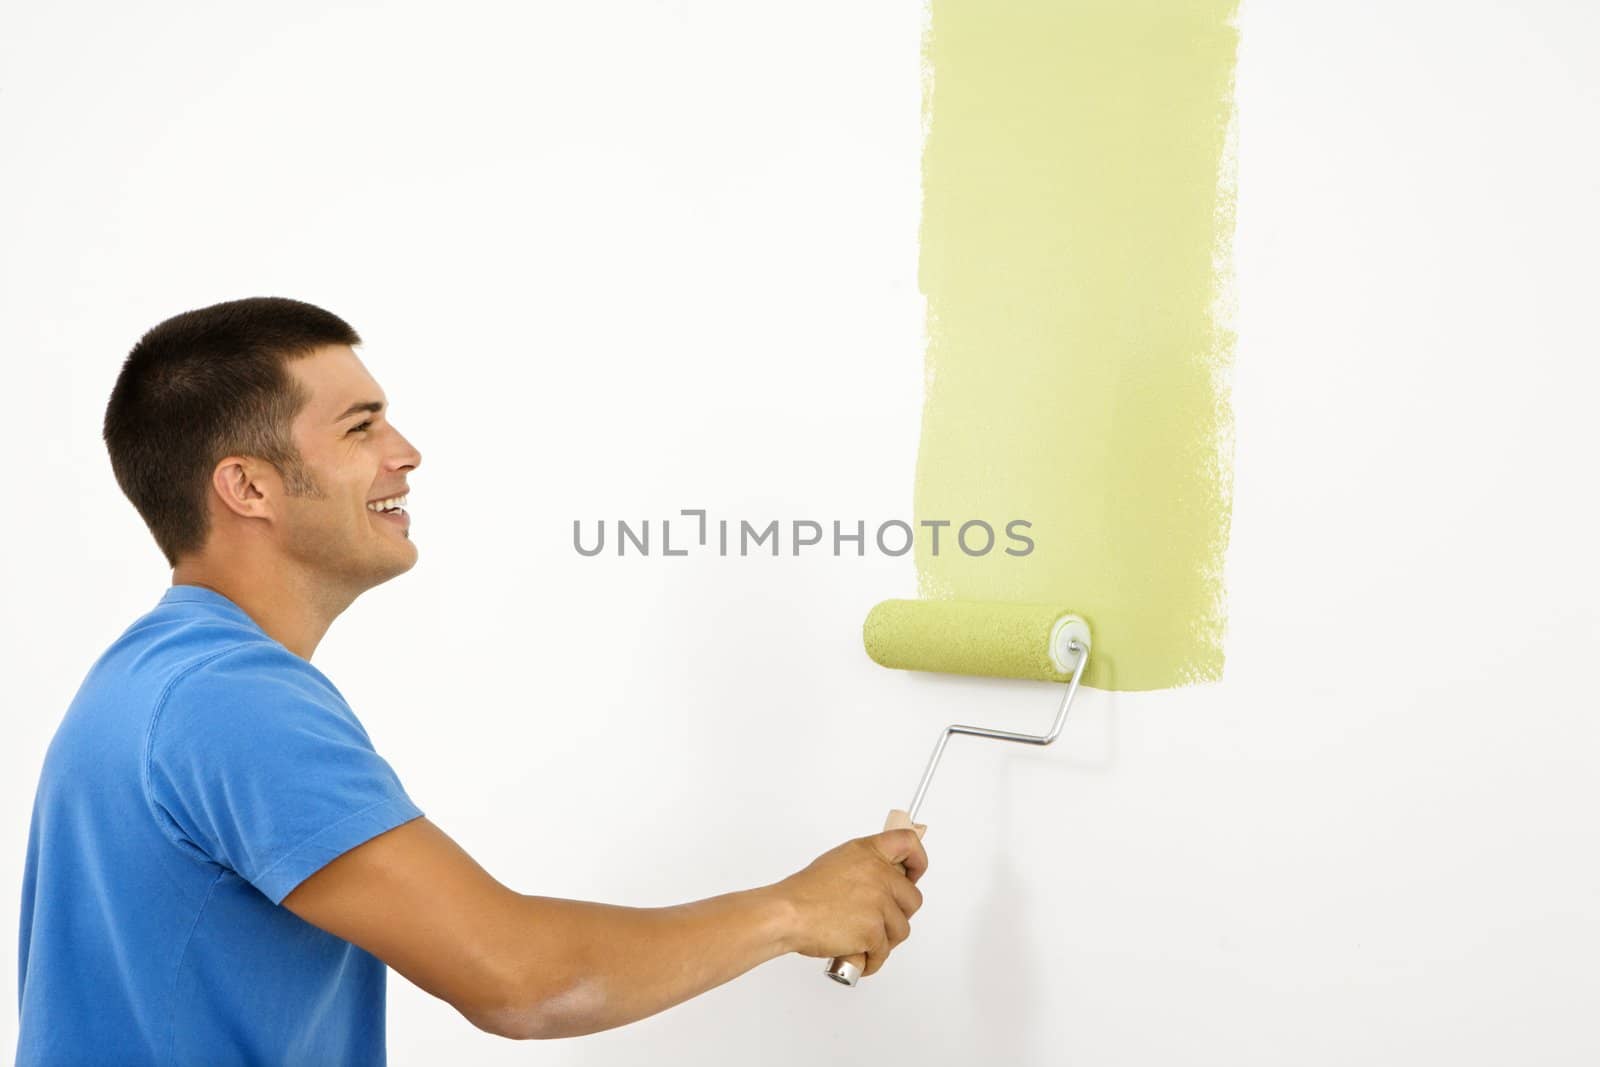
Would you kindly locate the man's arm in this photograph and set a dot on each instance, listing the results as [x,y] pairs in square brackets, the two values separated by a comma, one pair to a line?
[525,967]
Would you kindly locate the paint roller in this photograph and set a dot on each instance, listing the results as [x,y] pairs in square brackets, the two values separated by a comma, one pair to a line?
[996,640]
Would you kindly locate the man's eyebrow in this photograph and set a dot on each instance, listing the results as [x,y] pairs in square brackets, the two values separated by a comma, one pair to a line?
[373,406]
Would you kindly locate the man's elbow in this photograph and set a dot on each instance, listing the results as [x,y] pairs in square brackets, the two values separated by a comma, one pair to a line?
[517,1022]
[541,1013]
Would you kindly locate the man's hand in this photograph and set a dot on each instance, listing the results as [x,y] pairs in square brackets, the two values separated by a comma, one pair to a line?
[857,898]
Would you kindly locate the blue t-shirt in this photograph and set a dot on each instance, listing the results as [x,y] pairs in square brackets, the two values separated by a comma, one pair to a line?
[201,773]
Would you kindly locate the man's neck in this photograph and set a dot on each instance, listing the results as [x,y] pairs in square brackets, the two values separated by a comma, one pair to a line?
[292,608]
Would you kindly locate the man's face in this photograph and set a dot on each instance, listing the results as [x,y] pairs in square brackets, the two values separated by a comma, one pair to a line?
[354,457]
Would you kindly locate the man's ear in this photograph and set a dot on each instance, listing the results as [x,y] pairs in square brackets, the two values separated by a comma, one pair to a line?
[245,486]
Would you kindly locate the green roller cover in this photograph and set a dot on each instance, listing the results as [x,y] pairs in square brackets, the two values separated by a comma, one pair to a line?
[994,639]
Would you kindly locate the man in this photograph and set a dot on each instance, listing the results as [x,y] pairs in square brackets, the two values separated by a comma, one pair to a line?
[219,864]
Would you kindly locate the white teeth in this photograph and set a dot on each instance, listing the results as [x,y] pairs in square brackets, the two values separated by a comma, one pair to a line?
[384,505]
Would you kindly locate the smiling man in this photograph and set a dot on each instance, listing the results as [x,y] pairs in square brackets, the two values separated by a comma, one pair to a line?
[220,864]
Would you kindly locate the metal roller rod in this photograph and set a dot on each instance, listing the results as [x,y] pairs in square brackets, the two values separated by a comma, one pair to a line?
[1003,735]
[845,970]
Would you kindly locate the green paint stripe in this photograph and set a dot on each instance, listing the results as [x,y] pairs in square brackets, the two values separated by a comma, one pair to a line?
[1077,220]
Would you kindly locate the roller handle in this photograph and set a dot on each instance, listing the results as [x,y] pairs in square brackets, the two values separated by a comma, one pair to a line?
[847,969]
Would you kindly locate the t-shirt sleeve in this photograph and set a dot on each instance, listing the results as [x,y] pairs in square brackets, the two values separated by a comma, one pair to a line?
[257,761]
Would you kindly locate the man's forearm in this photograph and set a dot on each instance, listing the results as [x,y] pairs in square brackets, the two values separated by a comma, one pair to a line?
[582,967]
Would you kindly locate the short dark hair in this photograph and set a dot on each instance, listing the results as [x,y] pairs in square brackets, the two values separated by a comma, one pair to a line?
[207,384]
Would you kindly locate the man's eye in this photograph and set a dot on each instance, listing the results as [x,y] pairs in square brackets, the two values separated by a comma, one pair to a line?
[363,426]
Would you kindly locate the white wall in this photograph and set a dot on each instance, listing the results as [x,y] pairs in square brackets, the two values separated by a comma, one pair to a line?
[621,260]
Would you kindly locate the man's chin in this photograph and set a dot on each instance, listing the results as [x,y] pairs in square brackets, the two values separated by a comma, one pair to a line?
[407,559]
[395,562]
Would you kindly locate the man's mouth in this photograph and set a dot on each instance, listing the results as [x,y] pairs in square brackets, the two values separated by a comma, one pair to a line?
[392,509]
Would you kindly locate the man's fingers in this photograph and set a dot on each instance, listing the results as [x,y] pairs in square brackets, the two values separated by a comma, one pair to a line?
[896,926]
[895,930]
[906,895]
[877,953]
[903,847]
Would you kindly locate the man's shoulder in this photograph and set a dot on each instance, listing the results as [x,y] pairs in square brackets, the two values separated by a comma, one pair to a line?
[256,661]
[138,671]
[256,674]
[185,642]
[246,703]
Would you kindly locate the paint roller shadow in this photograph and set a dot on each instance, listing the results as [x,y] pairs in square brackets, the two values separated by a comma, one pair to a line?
[1003,974]
[1092,720]
[1089,734]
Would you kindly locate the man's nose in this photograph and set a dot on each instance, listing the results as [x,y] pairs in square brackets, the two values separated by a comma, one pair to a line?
[406,457]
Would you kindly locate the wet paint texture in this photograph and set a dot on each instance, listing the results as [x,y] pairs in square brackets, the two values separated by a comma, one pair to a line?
[1077,219]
